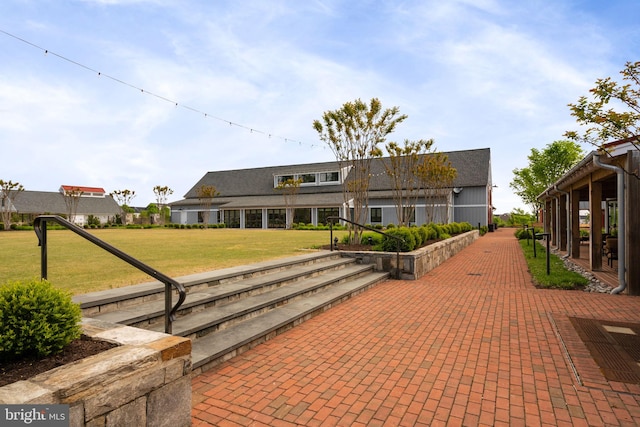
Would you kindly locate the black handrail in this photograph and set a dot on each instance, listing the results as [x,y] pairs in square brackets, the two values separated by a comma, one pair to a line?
[399,239]
[40,227]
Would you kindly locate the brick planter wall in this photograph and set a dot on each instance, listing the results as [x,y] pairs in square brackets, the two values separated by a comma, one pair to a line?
[145,381]
[417,263]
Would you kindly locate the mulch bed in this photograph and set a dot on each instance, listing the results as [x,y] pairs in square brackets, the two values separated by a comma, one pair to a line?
[26,368]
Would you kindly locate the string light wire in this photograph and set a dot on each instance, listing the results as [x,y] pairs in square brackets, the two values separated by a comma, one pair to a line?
[147,92]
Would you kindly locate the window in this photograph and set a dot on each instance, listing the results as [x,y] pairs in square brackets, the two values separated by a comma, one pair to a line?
[232,218]
[329,177]
[323,213]
[277,218]
[376,215]
[302,215]
[253,218]
[307,178]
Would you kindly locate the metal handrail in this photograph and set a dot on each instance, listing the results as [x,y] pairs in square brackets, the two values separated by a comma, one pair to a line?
[40,227]
[399,239]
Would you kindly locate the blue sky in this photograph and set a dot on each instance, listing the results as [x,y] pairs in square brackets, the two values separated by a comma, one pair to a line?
[468,73]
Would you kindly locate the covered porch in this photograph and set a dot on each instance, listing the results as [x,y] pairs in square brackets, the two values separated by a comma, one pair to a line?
[592,213]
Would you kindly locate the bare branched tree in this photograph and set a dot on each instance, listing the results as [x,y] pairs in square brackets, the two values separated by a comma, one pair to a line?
[206,194]
[8,192]
[402,168]
[353,133]
[290,188]
[72,200]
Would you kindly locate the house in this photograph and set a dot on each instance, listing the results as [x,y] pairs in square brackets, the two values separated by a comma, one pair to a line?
[600,194]
[91,201]
[249,198]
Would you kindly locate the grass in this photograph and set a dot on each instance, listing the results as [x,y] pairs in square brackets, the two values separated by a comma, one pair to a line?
[559,276]
[78,266]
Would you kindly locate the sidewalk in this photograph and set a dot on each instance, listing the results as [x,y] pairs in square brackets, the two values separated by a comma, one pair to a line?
[471,343]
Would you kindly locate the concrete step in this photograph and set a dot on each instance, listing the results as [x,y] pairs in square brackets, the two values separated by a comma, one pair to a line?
[119,298]
[210,350]
[211,319]
[229,311]
[150,312]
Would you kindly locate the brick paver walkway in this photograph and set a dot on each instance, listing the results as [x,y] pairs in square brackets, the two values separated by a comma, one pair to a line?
[471,343]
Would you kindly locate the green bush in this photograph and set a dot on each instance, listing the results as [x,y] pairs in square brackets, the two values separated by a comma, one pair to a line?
[522,234]
[36,320]
[391,245]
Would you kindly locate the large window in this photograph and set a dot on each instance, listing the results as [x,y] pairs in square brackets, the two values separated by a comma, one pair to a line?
[253,218]
[302,215]
[376,215]
[323,213]
[277,218]
[232,218]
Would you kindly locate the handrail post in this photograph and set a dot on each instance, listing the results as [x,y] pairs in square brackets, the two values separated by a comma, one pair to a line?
[43,249]
[330,235]
[167,309]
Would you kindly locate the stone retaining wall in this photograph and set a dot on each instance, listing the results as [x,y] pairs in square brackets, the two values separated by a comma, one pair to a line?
[145,381]
[417,263]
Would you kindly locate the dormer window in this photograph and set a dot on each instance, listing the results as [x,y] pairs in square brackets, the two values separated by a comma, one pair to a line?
[309,179]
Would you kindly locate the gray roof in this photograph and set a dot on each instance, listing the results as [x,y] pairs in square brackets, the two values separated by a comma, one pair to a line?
[39,202]
[473,166]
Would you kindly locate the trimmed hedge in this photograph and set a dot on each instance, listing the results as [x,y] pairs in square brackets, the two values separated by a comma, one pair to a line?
[36,320]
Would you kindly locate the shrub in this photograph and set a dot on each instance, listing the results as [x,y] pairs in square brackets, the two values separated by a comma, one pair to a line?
[522,234]
[391,245]
[36,319]
[415,231]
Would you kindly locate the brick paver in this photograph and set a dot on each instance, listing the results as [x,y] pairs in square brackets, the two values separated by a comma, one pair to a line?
[471,343]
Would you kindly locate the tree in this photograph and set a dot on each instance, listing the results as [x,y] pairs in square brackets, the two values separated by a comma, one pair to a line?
[436,177]
[123,198]
[290,188]
[72,200]
[403,169]
[545,168]
[9,190]
[205,194]
[604,123]
[162,194]
[353,133]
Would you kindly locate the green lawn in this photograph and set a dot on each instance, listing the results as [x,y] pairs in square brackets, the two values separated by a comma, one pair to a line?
[558,277]
[79,266]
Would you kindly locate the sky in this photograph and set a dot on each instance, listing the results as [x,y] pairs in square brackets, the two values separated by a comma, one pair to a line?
[133,94]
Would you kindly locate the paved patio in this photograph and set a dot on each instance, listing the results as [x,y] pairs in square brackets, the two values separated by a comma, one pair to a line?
[471,343]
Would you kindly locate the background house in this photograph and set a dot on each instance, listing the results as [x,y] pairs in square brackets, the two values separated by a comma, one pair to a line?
[92,201]
[248,198]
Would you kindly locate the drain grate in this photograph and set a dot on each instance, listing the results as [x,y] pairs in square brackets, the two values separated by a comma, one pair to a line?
[615,347]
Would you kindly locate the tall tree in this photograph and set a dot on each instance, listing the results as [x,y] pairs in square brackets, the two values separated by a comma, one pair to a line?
[402,168]
[123,198]
[72,200]
[290,188]
[545,167]
[162,193]
[9,190]
[436,177]
[206,194]
[353,132]
[613,112]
